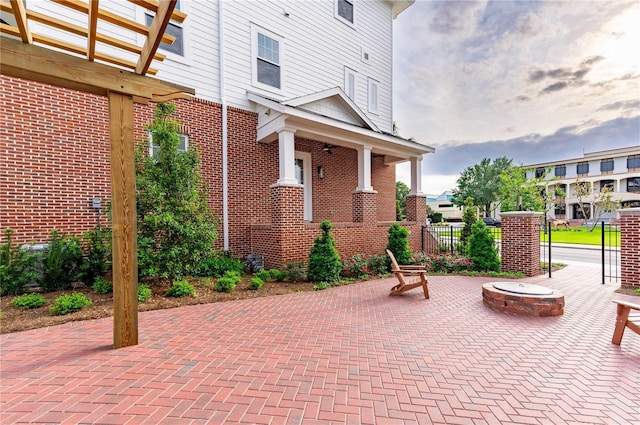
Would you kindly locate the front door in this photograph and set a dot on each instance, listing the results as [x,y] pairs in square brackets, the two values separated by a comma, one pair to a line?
[303,175]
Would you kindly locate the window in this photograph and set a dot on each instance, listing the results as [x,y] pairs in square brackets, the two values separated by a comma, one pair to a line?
[560,210]
[373,96]
[303,175]
[561,170]
[173,29]
[633,184]
[267,62]
[182,147]
[540,172]
[578,213]
[582,168]
[606,185]
[344,10]
[633,161]
[606,165]
[350,83]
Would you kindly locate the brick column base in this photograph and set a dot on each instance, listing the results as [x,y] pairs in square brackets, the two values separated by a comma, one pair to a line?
[365,209]
[287,224]
[630,248]
[417,208]
[521,242]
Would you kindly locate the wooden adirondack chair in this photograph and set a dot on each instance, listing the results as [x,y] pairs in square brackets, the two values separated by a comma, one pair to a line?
[402,271]
[625,319]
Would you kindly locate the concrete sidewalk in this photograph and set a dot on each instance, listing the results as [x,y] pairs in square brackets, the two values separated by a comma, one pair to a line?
[345,355]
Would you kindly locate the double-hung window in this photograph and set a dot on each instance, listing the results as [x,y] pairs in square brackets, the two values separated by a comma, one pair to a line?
[267,59]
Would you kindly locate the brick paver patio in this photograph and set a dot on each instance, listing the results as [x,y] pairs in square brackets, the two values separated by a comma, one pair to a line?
[345,355]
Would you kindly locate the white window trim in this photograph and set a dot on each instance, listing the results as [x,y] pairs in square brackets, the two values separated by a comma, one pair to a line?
[186,32]
[343,20]
[347,73]
[255,29]
[373,107]
[181,135]
[308,183]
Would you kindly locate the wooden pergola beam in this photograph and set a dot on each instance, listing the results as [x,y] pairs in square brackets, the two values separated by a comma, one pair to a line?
[156,30]
[92,26]
[152,5]
[20,14]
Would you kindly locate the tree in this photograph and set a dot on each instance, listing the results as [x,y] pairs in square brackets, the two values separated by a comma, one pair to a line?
[482,182]
[176,227]
[402,190]
[482,248]
[469,218]
[519,193]
[324,260]
[602,202]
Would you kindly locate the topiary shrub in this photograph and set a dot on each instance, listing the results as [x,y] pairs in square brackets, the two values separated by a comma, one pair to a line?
[61,263]
[101,286]
[482,249]
[28,301]
[398,244]
[180,289]
[324,260]
[144,293]
[256,283]
[69,303]
[16,267]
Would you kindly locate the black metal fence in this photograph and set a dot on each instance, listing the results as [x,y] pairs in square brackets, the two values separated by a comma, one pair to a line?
[448,238]
[610,258]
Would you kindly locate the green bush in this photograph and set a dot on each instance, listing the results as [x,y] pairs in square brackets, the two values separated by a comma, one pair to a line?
[225,284]
[256,283]
[101,286]
[356,265]
[181,289]
[468,217]
[217,266]
[277,275]
[144,293]
[445,262]
[28,301]
[482,248]
[398,244]
[377,264]
[69,303]
[97,254]
[263,275]
[61,263]
[16,267]
[320,286]
[324,260]
[295,272]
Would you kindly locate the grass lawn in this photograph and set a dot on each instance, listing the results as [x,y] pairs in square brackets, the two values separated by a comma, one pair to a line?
[580,235]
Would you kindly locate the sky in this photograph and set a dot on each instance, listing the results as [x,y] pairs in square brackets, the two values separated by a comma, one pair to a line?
[534,81]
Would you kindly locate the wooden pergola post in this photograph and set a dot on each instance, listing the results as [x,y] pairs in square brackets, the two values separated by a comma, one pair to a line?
[123,201]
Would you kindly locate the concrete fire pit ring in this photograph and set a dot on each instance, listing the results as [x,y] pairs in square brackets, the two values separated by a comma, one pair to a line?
[524,299]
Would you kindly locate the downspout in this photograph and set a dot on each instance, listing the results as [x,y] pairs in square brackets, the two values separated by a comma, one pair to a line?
[223,102]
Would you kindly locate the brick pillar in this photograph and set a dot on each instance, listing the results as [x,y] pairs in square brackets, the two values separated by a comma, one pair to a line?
[521,242]
[417,208]
[630,247]
[365,207]
[287,223]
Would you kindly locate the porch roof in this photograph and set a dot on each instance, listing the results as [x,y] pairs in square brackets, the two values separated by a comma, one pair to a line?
[331,117]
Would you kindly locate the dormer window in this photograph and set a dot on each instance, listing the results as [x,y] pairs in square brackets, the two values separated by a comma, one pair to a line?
[345,11]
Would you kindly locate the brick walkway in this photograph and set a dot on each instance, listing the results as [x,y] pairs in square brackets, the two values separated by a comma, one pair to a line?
[346,355]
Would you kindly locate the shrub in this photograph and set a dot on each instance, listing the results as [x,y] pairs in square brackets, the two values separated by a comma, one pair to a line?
[445,262]
[377,264]
[356,266]
[295,272]
[101,286]
[263,275]
[61,262]
[144,293]
[16,267]
[233,275]
[98,254]
[469,217]
[256,283]
[324,260]
[69,303]
[181,289]
[320,286]
[277,275]
[482,248]
[225,284]
[217,266]
[28,301]
[398,244]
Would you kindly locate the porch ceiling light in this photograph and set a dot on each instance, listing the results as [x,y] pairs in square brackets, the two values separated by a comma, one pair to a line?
[328,148]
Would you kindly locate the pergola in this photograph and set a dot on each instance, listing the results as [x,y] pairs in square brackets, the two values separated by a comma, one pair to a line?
[93,68]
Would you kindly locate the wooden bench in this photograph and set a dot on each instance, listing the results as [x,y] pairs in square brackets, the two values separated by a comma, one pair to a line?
[402,271]
[625,319]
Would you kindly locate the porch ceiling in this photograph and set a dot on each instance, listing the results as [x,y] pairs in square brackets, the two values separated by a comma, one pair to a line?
[274,116]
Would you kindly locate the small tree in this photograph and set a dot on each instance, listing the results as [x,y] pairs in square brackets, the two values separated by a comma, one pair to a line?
[583,193]
[398,243]
[324,260]
[482,248]
[177,228]
[468,217]
[602,202]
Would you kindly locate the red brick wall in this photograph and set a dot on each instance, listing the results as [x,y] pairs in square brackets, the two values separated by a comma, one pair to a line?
[630,247]
[383,180]
[521,242]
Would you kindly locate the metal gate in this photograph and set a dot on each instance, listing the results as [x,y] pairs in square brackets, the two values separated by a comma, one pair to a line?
[545,248]
[610,249]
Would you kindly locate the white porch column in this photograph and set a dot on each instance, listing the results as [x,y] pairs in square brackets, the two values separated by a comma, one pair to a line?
[364,169]
[286,155]
[416,176]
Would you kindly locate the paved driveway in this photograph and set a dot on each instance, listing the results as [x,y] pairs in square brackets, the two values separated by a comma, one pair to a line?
[345,355]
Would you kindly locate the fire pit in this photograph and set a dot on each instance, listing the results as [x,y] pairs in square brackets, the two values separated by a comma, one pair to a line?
[523,298]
